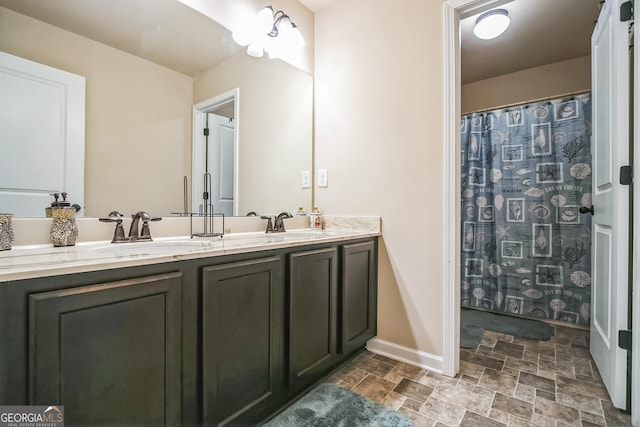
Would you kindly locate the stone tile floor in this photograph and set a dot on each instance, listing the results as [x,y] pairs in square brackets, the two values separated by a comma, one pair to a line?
[505,381]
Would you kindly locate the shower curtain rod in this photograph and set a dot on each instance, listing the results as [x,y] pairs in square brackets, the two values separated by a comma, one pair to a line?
[515,104]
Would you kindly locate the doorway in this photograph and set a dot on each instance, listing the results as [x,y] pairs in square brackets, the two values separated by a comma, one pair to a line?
[453,11]
[525,132]
[215,155]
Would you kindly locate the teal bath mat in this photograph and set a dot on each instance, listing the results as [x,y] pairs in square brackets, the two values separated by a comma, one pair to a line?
[329,405]
[473,323]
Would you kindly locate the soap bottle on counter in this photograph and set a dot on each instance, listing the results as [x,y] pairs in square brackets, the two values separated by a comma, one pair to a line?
[300,211]
[6,232]
[64,230]
[315,218]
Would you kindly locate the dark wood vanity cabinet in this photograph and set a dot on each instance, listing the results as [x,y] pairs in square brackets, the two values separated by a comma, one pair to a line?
[332,308]
[109,352]
[313,315]
[358,295]
[242,340]
[225,340]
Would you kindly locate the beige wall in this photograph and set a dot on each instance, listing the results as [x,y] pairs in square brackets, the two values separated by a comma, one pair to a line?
[275,128]
[372,55]
[138,117]
[379,132]
[573,75]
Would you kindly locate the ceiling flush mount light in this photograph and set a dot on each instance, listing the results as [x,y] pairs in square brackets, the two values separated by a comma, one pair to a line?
[269,32]
[491,24]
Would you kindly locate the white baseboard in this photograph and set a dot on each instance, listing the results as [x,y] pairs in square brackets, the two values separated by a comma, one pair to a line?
[407,355]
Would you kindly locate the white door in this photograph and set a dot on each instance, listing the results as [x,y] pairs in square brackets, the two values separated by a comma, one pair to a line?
[635,353]
[42,127]
[221,163]
[610,147]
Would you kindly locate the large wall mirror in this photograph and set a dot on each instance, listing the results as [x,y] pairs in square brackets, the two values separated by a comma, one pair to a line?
[146,64]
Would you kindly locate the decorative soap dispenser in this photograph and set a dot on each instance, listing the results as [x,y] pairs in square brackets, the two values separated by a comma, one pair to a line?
[64,230]
[315,218]
[6,232]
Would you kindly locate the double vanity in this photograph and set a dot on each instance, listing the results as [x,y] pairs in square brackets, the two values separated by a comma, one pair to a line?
[182,331]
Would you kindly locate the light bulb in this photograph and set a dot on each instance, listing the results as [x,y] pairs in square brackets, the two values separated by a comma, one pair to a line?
[284,31]
[298,40]
[271,46]
[274,51]
[264,21]
[242,36]
[255,49]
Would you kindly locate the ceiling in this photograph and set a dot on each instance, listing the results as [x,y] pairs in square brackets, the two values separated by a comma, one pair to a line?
[541,32]
[165,32]
[317,5]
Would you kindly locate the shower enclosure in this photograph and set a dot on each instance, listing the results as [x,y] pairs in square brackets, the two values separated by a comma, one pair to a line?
[526,242]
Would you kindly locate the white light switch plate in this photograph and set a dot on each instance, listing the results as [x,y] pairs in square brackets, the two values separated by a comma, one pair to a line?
[323,178]
[306,179]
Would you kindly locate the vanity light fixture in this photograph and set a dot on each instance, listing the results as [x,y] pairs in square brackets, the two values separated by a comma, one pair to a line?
[269,32]
[491,24]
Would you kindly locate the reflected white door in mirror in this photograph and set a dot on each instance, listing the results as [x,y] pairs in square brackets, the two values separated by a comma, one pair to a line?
[215,155]
[42,130]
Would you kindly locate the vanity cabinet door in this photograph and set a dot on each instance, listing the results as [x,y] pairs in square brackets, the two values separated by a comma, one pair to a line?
[313,315]
[110,353]
[242,338]
[358,295]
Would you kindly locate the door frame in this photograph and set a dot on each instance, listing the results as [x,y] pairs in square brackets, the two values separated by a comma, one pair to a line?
[635,262]
[199,113]
[453,11]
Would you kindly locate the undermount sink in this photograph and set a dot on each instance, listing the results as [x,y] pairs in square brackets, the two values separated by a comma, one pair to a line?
[186,245]
[293,234]
[155,247]
[307,233]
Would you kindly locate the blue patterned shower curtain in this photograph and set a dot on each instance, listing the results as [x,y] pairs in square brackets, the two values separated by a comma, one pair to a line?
[526,171]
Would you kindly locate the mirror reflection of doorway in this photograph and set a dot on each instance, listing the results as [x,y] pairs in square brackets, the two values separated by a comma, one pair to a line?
[215,149]
[219,162]
[42,123]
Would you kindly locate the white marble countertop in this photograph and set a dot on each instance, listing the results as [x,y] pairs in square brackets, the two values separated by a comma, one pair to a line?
[23,262]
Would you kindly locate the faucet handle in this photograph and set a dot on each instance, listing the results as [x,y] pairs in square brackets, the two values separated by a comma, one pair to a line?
[118,233]
[112,217]
[145,234]
[269,223]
